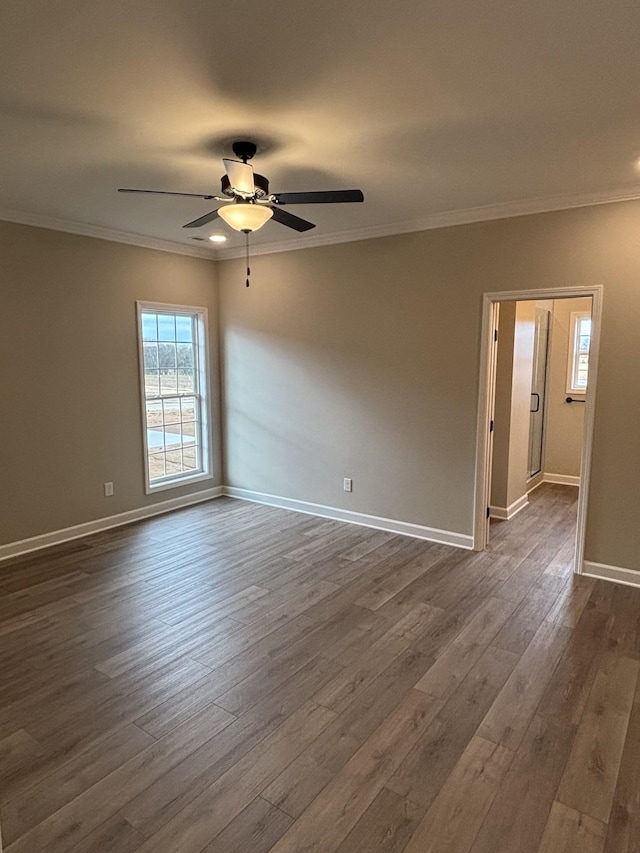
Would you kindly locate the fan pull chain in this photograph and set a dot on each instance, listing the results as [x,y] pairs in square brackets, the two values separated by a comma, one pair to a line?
[246,254]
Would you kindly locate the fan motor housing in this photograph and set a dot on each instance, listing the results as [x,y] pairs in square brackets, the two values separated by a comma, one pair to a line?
[260,183]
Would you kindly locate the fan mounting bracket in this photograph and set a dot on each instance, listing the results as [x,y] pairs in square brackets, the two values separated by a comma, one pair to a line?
[244,150]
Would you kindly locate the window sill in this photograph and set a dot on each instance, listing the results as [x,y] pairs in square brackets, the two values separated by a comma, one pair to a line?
[179,481]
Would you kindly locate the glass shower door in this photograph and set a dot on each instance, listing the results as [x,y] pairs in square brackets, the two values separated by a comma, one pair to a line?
[538,390]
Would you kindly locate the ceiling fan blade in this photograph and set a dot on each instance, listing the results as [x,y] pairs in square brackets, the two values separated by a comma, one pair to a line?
[327,197]
[291,221]
[202,220]
[163,192]
[240,176]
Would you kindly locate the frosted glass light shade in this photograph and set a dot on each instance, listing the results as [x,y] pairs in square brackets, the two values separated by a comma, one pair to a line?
[243,216]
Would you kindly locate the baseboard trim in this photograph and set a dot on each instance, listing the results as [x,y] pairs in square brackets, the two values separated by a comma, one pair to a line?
[55,537]
[417,531]
[531,486]
[404,528]
[611,573]
[561,479]
[507,513]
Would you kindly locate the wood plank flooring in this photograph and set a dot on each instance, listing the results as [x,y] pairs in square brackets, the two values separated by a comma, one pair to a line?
[233,678]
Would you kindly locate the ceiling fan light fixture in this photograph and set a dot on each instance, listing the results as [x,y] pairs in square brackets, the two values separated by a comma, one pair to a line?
[245,216]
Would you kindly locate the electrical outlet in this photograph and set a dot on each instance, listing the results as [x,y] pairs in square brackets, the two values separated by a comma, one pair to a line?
[108,490]
[347,484]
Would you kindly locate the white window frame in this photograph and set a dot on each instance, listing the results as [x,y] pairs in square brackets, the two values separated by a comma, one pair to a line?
[201,394]
[574,351]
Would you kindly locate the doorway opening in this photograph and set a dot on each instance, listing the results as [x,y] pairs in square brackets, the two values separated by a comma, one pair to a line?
[520,435]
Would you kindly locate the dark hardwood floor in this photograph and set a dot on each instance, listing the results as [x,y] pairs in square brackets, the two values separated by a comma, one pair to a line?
[234,678]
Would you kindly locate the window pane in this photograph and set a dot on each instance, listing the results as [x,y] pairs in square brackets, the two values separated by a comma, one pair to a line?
[190,458]
[171,410]
[154,413]
[583,371]
[188,432]
[166,356]
[185,355]
[163,439]
[172,438]
[173,461]
[166,327]
[151,382]
[149,327]
[186,381]
[156,466]
[184,328]
[188,409]
[168,381]
[155,439]
[151,356]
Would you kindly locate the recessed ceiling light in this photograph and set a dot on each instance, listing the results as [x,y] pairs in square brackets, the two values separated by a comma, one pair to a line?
[218,238]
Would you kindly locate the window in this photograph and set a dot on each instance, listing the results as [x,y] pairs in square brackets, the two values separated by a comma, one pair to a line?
[579,346]
[173,360]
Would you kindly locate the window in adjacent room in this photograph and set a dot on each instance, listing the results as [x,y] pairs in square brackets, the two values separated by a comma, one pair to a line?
[173,371]
[579,346]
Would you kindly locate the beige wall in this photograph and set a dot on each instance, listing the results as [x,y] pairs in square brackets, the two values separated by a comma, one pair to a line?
[71,415]
[362,360]
[357,360]
[564,423]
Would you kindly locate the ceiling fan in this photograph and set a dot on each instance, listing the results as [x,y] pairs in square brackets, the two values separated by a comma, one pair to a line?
[247,203]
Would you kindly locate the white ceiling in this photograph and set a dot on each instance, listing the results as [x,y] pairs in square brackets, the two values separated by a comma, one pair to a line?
[434,108]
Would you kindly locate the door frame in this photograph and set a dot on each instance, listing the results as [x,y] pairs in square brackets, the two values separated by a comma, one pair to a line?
[486,403]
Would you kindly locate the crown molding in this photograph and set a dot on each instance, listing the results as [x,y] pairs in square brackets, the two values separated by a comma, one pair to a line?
[113,236]
[466,216]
